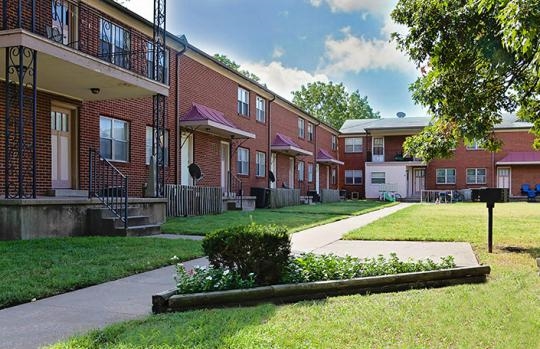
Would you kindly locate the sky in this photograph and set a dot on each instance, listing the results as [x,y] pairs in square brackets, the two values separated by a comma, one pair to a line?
[289,43]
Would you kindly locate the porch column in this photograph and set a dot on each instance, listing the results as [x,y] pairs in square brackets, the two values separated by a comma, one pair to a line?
[20,123]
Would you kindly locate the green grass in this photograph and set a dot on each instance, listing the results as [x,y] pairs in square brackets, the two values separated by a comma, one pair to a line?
[502,313]
[41,268]
[296,218]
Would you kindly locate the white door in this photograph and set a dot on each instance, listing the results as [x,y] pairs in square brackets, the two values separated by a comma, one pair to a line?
[60,148]
[419,181]
[186,158]
[225,166]
[273,167]
[291,173]
[503,177]
[378,149]
[327,177]
[317,179]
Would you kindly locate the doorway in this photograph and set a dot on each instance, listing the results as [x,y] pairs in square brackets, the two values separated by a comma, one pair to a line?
[61,148]
[273,167]
[186,158]
[225,165]
[419,181]
[503,177]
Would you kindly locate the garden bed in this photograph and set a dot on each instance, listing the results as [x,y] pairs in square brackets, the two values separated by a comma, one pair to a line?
[170,301]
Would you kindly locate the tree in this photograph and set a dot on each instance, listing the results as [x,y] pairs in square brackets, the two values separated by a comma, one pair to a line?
[482,58]
[332,104]
[235,66]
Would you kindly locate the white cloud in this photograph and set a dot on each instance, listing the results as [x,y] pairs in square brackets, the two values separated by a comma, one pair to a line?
[143,8]
[278,52]
[373,6]
[280,79]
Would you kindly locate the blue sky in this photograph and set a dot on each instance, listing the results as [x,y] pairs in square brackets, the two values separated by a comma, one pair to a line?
[289,43]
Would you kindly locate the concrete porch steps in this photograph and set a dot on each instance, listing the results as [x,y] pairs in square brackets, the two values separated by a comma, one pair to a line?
[68,193]
[107,223]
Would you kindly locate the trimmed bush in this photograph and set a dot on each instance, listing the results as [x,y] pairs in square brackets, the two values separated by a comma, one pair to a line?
[259,249]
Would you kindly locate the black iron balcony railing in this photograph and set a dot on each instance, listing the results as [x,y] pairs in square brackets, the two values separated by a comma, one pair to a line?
[83,28]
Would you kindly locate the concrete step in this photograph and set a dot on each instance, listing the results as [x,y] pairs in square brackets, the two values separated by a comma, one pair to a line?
[106,213]
[132,221]
[68,193]
[143,230]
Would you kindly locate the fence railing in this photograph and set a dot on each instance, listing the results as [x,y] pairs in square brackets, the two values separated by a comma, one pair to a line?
[108,184]
[440,196]
[237,188]
[329,195]
[184,200]
[281,197]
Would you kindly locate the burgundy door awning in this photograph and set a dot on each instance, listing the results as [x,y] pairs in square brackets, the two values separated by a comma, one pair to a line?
[521,158]
[324,157]
[285,145]
[204,119]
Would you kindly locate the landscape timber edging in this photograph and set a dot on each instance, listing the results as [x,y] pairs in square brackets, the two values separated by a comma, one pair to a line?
[169,301]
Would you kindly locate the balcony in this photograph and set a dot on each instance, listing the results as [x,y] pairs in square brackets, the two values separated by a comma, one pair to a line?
[82,53]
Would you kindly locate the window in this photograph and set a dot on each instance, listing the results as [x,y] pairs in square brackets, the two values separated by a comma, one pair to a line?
[310,173]
[378,177]
[334,142]
[164,144]
[476,176]
[310,132]
[243,102]
[353,176]
[113,139]
[261,109]
[353,145]
[475,145]
[378,146]
[114,43]
[333,177]
[300,171]
[446,176]
[163,67]
[260,161]
[243,161]
[300,127]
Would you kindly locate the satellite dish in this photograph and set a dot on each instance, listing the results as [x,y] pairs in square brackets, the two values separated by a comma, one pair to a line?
[401,115]
[195,171]
[271,176]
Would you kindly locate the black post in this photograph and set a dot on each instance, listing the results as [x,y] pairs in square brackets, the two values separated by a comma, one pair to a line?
[490,206]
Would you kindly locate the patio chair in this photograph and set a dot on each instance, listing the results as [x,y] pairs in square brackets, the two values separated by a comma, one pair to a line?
[531,194]
[537,189]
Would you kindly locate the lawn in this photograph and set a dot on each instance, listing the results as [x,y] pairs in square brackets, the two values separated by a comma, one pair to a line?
[296,218]
[41,268]
[502,313]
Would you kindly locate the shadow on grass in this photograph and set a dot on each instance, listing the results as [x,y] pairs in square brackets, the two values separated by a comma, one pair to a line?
[533,251]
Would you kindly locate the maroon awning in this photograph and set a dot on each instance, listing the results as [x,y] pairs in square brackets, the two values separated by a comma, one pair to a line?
[284,144]
[521,158]
[325,157]
[204,119]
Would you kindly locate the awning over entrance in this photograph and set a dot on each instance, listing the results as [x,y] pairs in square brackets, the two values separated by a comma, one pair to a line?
[521,158]
[324,157]
[204,119]
[285,145]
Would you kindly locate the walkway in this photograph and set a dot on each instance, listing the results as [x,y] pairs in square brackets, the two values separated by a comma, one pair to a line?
[52,319]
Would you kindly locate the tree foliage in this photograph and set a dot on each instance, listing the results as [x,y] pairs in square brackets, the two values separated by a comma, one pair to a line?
[332,104]
[482,58]
[235,66]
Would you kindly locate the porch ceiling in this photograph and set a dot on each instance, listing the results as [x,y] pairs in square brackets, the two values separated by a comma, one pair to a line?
[71,73]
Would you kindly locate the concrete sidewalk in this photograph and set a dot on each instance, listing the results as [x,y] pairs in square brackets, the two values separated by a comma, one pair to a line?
[52,319]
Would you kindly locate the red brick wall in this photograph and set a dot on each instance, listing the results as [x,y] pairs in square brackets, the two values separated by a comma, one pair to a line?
[393,145]
[353,161]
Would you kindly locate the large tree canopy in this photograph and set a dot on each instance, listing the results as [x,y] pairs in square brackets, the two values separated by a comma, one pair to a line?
[332,104]
[481,57]
[235,66]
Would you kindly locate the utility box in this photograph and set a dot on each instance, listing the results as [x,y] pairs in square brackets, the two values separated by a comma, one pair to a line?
[262,197]
[490,195]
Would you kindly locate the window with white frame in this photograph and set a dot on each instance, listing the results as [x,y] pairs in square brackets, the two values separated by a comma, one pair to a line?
[310,132]
[243,161]
[475,145]
[446,175]
[353,145]
[353,177]
[300,127]
[310,172]
[334,142]
[163,66]
[333,177]
[260,161]
[261,109]
[114,43]
[476,176]
[378,146]
[243,102]
[163,143]
[378,177]
[113,139]
[300,171]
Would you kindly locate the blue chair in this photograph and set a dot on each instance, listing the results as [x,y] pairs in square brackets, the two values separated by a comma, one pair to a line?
[531,194]
[537,189]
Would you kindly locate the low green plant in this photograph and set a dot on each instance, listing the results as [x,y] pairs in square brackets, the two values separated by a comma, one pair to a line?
[203,279]
[259,249]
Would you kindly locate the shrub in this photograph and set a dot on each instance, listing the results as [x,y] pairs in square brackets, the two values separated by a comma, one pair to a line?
[262,250]
[202,279]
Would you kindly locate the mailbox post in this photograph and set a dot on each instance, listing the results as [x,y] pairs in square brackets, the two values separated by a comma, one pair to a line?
[490,196]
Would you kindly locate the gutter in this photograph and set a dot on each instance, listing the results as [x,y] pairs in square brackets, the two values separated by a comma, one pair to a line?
[178,137]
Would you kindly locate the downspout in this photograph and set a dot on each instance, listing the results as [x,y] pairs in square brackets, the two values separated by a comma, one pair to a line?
[269,138]
[314,169]
[178,139]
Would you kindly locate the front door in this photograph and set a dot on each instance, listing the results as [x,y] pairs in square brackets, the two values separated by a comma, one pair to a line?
[419,181]
[60,148]
[225,166]
[378,149]
[273,167]
[317,179]
[503,177]
[291,173]
[186,158]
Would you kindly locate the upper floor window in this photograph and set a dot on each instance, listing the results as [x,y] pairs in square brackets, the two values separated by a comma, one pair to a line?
[310,173]
[260,161]
[378,177]
[300,171]
[446,175]
[163,144]
[353,145]
[113,139]
[334,142]
[310,132]
[475,145]
[114,43]
[243,102]
[353,176]
[378,146]
[162,72]
[261,109]
[300,127]
[243,161]
[476,176]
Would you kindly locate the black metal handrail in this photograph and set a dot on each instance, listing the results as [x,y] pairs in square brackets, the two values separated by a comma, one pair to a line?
[236,186]
[108,184]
